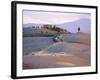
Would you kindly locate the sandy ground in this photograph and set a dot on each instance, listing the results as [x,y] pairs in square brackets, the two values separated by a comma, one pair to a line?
[71,55]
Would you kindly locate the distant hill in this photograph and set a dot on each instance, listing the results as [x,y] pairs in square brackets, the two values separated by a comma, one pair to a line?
[84,24]
[37,31]
[32,29]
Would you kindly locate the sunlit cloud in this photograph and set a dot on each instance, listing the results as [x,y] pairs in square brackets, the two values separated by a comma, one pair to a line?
[51,17]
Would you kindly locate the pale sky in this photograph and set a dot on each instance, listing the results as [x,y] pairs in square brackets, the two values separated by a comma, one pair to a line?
[51,17]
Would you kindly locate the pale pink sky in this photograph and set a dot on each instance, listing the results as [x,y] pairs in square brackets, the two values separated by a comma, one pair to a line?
[51,17]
